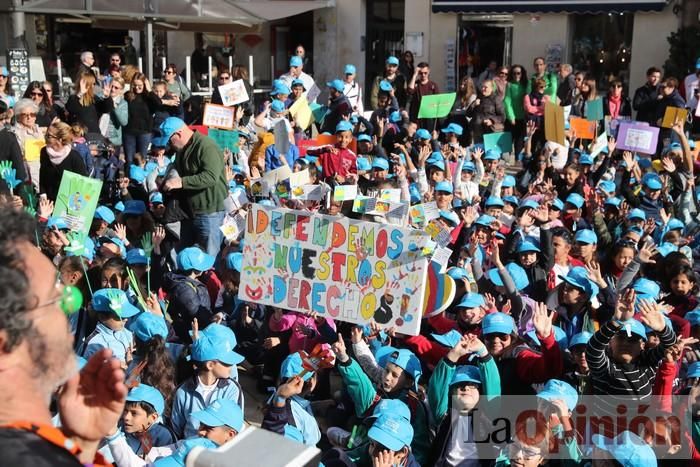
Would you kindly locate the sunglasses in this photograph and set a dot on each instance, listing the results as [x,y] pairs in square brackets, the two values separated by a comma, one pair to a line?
[502,336]
[169,72]
[503,73]
[466,385]
[41,94]
[443,193]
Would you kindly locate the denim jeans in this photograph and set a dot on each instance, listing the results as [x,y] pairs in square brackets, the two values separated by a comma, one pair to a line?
[205,232]
[134,143]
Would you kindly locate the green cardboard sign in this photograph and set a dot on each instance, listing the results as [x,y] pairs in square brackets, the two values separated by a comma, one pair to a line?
[77,200]
[502,141]
[436,106]
[594,109]
[225,139]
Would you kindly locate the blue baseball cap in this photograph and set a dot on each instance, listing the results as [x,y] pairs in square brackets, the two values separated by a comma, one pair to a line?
[586,159]
[494,201]
[280,88]
[136,256]
[137,174]
[557,205]
[363,164]
[58,222]
[116,241]
[516,272]
[450,217]
[385,86]
[510,199]
[559,336]
[403,358]
[586,236]
[627,448]
[581,338]
[277,106]
[466,374]
[438,164]
[391,406]
[292,366]
[498,323]
[194,258]
[3,71]
[665,248]
[453,128]
[693,370]
[209,347]
[675,224]
[159,142]
[148,394]
[652,181]
[119,206]
[471,300]
[529,204]
[457,273]
[157,198]
[693,317]
[468,166]
[637,214]
[646,289]
[395,116]
[448,339]
[179,456]
[608,186]
[443,186]
[113,301]
[105,214]
[296,60]
[391,60]
[147,326]
[485,220]
[632,326]
[297,82]
[223,334]
[392,431]
[380,163]
[364,137]
[575,200]
[134,207]
[221,412]
[422,133]
[336,84]
[614,202]
[555,389]
[169,126]
[234,261]
[350,69]
[492,155]
[508,181]
[87,252]
[578,277]
[527,246]
[343,126]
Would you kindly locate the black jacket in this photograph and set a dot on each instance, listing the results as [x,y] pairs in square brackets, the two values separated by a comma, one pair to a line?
[625,106]
[22,448]
[490,108]
[89,115]
[189,299]
[141,110]
[50,175]
[644,102]
[565,91]
[337,109]
[10,151]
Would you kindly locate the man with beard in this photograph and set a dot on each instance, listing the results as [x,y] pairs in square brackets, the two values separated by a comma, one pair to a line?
[36,358]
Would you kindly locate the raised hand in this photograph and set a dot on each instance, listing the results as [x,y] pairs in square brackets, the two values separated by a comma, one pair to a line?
[594,273]
[668,164]
[292,387]
[356,334]
[646,253]
[459,350]
[542,320]
[340,350]
[624,308]
[120,231]
[612,144]
[650,314]
[45,208]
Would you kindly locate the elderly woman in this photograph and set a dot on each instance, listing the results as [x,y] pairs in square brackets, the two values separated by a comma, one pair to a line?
[489,114]
[26,130]
[56,157]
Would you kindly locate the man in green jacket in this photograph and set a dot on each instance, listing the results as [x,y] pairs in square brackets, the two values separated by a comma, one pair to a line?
[201,177]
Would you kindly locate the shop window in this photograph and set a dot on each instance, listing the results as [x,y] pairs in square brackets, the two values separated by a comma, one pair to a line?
[601,46]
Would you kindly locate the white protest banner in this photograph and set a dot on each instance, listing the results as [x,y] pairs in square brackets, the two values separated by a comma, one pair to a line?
[308,262]
[233,93]
[218,116]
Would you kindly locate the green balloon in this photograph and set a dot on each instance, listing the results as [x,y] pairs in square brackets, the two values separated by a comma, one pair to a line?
[71,300]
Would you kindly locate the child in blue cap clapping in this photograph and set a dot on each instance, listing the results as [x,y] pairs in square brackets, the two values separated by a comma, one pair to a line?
[112,308]
[213,358]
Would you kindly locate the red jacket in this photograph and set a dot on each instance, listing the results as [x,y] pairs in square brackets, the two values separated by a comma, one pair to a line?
[343,163]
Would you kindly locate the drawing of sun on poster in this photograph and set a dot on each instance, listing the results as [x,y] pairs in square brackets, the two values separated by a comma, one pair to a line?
[341,268]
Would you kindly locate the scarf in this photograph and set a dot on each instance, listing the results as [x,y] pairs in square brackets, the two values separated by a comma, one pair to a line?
[615,103]
[57,157]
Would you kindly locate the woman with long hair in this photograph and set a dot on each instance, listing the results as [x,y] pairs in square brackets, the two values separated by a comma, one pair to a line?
[143,103]
[46,114]
[513,105]
[588,93]
[85,107]
[54,101]
[407,64]
[463,108]
[118,117]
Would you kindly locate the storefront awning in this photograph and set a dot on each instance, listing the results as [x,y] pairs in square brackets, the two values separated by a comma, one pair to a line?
[546,6]
[243,12]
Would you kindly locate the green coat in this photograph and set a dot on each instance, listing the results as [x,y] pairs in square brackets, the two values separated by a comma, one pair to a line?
[363,395]
[513,101]
[201,167]
[552,84]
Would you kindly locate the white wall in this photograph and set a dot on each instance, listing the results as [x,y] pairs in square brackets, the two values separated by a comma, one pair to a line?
[530,38]
[649,44]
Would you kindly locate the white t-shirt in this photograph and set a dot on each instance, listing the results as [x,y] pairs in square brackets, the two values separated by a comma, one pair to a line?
[206,391]
[460,450]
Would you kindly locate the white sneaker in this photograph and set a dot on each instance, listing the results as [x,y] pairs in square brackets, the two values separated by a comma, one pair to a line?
[338,437]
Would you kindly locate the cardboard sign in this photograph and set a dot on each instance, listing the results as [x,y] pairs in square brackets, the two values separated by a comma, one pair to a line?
[18,66]
[594,109]
[32,149]
[308,262]
[273,177]
[439,291]
[225,139]
[301,113]
[281,134]
[218,116]
[304,144]
[637,137]
[319,112]
[554,123]
[308,192]
[672,114]
[502,141]
[436,105]
[600,143]
[344,192]
[77,200]
[582,128]
[233,93]
[299,178]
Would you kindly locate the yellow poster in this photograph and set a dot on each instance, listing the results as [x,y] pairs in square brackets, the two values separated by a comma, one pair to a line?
[32,149]
[301,113]
[672,114]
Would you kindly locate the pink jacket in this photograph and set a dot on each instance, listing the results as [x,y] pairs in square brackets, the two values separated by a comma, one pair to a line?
[305,334]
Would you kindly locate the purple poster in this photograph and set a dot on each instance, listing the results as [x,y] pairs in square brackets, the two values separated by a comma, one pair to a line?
[637,137]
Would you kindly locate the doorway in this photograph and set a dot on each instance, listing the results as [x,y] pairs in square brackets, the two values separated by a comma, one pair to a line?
[481,41]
